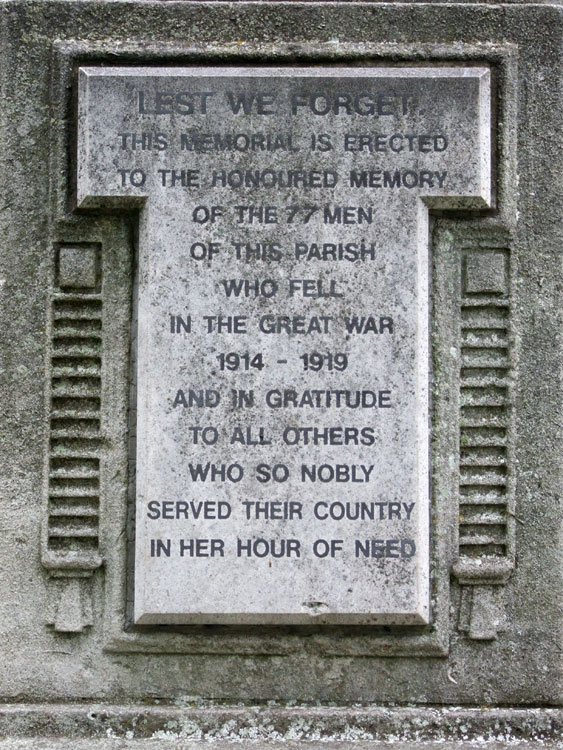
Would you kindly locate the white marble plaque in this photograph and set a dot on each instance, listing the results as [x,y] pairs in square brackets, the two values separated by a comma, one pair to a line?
[283,360]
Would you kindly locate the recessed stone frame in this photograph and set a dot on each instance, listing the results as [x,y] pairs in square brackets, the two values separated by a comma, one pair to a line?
[117,296]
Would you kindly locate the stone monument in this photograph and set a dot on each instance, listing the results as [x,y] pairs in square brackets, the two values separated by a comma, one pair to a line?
[282,369]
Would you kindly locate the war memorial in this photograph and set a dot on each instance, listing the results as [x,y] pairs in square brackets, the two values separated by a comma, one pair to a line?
[281,372]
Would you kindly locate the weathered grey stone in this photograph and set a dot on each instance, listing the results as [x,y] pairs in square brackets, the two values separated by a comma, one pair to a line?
[77,268]
[169,740]
[66,581]
[282,359]
[290,726]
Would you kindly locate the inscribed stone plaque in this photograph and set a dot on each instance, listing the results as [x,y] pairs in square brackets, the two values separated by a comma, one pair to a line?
[282,347]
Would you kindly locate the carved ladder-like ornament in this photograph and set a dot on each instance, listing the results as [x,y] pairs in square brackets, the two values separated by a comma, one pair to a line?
[486,491]
[71,542]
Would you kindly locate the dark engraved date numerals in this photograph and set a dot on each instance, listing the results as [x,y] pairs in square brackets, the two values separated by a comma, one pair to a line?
[232,361]
[331,361]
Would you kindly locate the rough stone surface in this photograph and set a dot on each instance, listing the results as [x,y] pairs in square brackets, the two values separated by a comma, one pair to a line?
[193,721]
[163,742]
[66,619]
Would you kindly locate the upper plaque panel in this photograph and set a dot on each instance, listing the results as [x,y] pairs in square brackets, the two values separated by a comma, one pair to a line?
[282,345]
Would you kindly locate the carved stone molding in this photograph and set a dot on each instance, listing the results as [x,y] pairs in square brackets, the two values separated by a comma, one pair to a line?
[78,561]
[71,540]
[486,492]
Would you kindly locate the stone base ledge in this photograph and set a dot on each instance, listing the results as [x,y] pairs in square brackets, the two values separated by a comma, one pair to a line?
[119,744]
[189,724]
